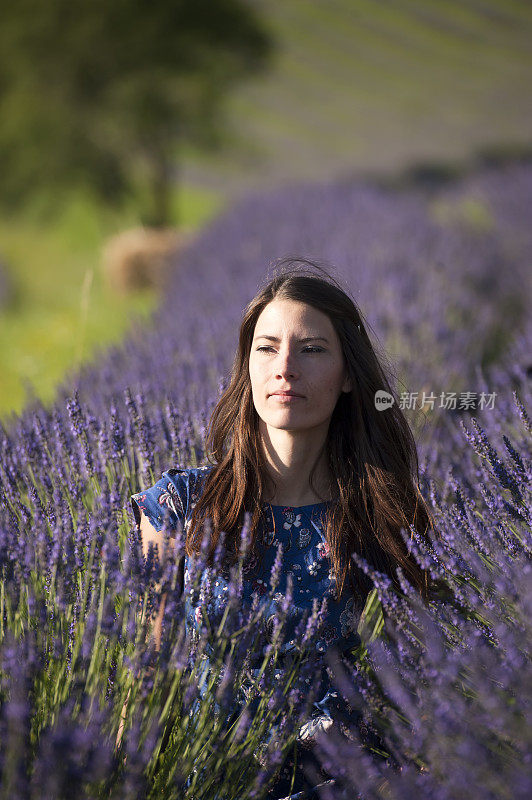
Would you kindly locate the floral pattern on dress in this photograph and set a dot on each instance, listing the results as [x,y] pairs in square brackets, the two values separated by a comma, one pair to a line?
[169,497]
[291,519]
[312,562]
[323,550]
[305,536]
[268,537]
[349,617]
[259,586]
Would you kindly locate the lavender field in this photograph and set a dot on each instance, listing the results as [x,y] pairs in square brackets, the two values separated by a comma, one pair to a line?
[443,278]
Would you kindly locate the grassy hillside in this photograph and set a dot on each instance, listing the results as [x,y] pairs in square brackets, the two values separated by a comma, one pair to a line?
[377,84]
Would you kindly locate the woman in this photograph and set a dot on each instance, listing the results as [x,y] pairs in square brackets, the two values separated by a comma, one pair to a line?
[297,440]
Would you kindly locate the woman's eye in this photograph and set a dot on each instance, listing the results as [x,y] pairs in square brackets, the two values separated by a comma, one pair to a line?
[309,348]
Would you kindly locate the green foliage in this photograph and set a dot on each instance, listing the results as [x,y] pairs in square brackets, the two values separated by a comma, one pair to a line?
[370,626]
[101,94]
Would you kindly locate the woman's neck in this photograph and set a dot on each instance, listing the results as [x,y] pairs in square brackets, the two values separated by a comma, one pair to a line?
[290,456]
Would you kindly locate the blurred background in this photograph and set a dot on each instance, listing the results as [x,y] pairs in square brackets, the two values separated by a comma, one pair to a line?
[125,127]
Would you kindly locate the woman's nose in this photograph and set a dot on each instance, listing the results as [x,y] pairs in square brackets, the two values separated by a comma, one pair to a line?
[286,366]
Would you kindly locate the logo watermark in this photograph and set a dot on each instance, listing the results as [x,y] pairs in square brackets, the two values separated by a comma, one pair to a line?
[451,401]
[383,400]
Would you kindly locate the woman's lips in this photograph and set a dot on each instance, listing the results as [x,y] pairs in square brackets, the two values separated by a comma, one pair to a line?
[286,398]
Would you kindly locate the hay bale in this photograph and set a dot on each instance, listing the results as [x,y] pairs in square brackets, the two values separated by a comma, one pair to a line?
[141,257]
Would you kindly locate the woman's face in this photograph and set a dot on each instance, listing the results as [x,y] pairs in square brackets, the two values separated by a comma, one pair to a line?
[280,360]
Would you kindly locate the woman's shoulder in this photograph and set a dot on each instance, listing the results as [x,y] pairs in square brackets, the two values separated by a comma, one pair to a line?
[171,497]
[189,477]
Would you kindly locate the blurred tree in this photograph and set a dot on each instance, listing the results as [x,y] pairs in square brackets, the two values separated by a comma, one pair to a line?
[100,93]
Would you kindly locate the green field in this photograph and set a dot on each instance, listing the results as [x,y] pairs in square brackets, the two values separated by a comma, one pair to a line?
[377,85]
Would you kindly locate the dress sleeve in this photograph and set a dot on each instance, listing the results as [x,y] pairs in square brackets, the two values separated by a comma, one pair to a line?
[169,498]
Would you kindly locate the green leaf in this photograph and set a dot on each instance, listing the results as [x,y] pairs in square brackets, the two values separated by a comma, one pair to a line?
[371,620]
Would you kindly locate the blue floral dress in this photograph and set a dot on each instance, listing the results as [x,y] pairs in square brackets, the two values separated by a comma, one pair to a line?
[305,555]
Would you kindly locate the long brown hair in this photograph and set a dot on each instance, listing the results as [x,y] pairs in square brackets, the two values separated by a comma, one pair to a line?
[371,454]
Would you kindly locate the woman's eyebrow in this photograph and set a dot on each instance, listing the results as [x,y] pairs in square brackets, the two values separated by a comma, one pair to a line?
[300,341]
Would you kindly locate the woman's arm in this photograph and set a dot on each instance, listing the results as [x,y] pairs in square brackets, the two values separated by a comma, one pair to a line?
[152,537]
